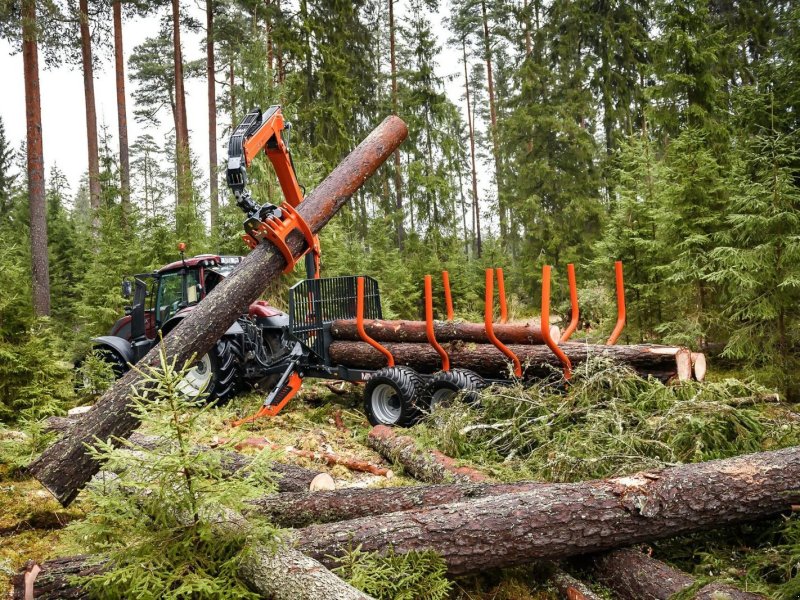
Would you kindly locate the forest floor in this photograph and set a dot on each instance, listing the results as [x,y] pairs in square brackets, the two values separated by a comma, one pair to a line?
[31,521]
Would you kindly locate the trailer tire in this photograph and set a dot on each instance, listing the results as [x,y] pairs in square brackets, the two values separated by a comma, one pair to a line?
[392,396]
[444,386]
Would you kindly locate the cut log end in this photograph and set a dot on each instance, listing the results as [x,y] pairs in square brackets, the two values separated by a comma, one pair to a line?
[683,360]
[699,366]
[321,482]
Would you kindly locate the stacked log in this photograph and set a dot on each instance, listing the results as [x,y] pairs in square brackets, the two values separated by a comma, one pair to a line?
[663,362]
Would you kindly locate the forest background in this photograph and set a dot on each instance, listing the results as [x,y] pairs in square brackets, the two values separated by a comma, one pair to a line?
[663,134]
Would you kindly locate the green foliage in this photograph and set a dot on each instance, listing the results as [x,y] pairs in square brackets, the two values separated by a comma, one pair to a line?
[390,576]
[160,523]
[609,422]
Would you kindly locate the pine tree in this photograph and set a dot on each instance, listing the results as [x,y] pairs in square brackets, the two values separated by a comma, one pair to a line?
[7,176]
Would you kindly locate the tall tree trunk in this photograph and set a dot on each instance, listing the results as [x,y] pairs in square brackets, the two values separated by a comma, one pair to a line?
[183,168]
[36,197]
[398,174]
[213,179]
[232,85]
[528,45]
[91,112]
[493,117]
[270,49]
[476,211]
[122,112]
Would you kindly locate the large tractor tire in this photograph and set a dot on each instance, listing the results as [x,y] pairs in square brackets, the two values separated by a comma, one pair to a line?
[217,375]
[445,386]
[394,396]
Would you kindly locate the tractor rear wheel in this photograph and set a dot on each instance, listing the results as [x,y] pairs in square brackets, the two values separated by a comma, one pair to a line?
[392,396]
[217,375]
[447,385]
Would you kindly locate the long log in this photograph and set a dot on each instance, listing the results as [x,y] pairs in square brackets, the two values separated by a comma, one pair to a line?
[570,587]
[289,478]
[486,360]
[556,521]
[632,575]
[445,331]
[66,466]
[430,466]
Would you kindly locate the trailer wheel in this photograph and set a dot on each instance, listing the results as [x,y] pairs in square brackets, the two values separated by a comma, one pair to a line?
[444,386]
[391,397]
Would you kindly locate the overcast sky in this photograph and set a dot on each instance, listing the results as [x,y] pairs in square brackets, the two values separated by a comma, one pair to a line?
[63,109]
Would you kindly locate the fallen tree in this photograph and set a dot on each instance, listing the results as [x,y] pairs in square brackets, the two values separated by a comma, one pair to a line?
[664,362]
[632,575]
[66,466]
[289,478]
[430,466]
[445,331]
[560,520]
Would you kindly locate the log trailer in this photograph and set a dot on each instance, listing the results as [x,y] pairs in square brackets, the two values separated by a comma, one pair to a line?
[275,351]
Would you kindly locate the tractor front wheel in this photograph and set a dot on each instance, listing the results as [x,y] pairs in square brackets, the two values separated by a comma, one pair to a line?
[217,375]
[392,397]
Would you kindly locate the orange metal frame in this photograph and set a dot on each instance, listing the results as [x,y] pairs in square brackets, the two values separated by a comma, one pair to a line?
[620,304]
[488,320]
[448,298]
[501,294]
[292,387]
[573,300]
[360,324]
[429,332]
[545,324]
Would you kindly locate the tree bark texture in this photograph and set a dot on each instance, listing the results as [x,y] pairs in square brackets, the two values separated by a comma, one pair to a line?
[65,467]
[538,361]
[570,587]
[213,177]
[122,112]
[40,269]
[632,575]
[182,160]
[299,509]
[91,111]
[445,331]
[430,466]
[556,521]
[290,478]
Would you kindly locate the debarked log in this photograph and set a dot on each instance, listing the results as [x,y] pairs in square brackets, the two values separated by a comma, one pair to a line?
[65,467]
[556,521]
[445,331]
[632,575]
[664,362]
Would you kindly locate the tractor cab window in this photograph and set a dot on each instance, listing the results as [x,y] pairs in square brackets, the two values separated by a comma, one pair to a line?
[174,293]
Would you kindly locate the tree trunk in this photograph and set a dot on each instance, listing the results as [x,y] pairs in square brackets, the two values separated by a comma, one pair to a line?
[290,478]
[570,587]
[183,174]
[65,467]
[493,118]
[663,362]
[304,508]
[40,269]
[213,178]
[430,466]
[445,331]
[91,113]
[632,575]
[476,209]
[122,113]
[559,520]
[398,174]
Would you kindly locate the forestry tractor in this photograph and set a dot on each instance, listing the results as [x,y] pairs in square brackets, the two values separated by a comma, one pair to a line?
[273,351]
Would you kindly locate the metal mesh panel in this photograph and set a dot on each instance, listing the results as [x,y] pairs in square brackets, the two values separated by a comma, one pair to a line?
[315,302]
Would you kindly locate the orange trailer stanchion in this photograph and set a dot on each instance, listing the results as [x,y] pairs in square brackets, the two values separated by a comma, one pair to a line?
[573,300]
[548,339]
[360,324]
[429,325]
[501,294]
[620,305]
[448,297]
[488,320]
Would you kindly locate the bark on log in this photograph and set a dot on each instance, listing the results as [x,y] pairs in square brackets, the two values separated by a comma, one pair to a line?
[488,361]
[632,575]
[447,331]
[65,467]
[556,521]
[430,466]
[290,478]
[570,587]
[304,508]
